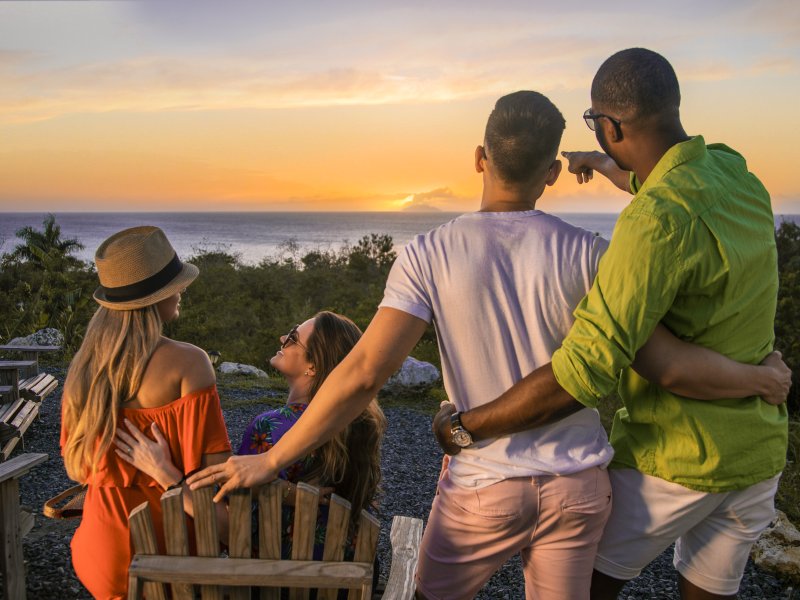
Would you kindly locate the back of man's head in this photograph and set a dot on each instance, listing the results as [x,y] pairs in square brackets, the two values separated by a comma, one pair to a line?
[636,83]
[522,136]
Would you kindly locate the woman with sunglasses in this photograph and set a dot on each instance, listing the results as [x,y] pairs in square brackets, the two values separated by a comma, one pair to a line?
[349,464]
[126,369]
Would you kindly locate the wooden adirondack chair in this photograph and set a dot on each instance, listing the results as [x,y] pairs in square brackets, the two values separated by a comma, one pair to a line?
[15,522]
[149,571]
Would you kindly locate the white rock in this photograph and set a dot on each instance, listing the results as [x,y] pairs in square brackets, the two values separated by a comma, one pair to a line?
[241,369]
[43,337]
[414,373]
[778,548]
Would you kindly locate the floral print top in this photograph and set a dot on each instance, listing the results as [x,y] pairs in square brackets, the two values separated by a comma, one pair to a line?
[267,428]
[259,437]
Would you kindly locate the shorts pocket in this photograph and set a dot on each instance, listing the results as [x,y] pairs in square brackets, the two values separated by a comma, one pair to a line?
[587,506]
[490,502]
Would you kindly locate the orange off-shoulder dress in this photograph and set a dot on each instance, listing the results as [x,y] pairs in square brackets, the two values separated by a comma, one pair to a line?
[101,547]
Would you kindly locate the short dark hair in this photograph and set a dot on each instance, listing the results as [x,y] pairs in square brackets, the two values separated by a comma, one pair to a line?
[522,135]
[637,83]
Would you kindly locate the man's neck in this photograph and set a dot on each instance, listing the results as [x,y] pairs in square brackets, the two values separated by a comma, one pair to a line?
[653,150]
[497,198]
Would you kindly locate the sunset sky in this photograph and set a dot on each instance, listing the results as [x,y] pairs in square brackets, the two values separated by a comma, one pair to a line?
[200,105]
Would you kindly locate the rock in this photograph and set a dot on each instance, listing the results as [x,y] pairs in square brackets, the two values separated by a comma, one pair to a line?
[240,369]
[43,337]
[778,549]
[414,373]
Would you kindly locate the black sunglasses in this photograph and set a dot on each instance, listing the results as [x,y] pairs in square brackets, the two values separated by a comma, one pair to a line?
[589,118]
[293,338]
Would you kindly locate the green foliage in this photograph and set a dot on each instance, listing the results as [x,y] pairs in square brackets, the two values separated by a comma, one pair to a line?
[241,310]
[787,319]
[43,285]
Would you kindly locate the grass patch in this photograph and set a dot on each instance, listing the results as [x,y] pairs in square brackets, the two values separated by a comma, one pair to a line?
[425,399]
[246,390]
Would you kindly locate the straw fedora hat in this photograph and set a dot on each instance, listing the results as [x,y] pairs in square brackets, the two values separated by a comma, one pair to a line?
[138,267]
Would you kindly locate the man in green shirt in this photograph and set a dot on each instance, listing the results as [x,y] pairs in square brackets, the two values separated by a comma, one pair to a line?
[694,250]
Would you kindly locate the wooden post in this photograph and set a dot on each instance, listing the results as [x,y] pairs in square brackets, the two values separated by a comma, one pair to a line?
[12,562]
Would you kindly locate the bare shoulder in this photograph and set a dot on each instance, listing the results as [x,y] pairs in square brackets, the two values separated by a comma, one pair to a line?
[197,373]
[180,367]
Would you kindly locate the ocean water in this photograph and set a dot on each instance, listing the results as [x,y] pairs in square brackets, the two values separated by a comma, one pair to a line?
[254,236]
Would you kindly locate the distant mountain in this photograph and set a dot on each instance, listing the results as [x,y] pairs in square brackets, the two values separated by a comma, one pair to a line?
[421,208]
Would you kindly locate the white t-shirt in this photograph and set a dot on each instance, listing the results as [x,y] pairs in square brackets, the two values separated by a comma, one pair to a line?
[500,289]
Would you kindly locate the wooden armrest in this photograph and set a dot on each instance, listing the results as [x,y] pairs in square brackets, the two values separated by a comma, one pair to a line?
[19,465]
[13,365]
[405,536]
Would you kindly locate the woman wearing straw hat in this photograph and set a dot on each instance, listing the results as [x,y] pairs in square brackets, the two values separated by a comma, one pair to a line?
[125,368]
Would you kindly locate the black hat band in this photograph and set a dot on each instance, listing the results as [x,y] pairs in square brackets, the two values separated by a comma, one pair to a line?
[145,287]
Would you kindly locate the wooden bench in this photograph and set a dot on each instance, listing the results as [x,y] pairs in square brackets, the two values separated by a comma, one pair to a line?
[29,353]
[150,572]
[9,377]
[21,401]
[14,523]
[38,387]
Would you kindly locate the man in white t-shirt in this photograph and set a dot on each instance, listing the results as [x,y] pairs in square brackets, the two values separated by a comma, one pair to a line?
[500,285]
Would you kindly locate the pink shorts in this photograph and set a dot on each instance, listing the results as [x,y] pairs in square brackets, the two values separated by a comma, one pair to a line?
[554,522]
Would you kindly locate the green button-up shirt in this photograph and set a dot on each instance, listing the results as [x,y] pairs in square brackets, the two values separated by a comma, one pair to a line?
[695,249]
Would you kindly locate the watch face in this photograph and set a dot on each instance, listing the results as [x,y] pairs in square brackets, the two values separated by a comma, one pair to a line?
[462,438]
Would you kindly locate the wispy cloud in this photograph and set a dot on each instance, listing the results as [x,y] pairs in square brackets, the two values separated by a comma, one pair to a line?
[216,58]
[442,198]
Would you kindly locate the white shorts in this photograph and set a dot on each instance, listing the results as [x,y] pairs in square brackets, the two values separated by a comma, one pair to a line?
[713,533]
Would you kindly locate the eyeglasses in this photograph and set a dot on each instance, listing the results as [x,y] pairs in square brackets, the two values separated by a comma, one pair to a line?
[293,338]
[589,117]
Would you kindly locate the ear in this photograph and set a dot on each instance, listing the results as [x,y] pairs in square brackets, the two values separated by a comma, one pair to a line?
[553,172]
[480,156]
[611,132]
[311,372]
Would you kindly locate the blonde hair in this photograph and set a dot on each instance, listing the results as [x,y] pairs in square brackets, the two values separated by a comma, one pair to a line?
[105,373]
[351,461]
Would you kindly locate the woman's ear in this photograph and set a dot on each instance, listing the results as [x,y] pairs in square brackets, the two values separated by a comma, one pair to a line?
[311,371]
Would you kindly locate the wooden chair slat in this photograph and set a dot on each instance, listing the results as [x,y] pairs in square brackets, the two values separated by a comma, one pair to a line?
[11,409]
[239,533]
[306,506]
[26,522]
[205,529]
[366,546]
[253,571]
[335,538]
[176,536]
[405,537]
[30,382]
[144,540]
[270,499]
[239,524]
[24,415]
[269,523]
[305,521]
[338,525]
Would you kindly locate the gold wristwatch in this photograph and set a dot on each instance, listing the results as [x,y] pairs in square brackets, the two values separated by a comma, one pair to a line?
[460,436]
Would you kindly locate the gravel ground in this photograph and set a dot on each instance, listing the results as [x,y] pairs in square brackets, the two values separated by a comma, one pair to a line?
[411,461]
